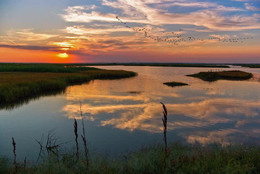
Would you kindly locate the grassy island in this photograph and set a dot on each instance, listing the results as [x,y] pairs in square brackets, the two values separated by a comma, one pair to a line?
[22,82]
[173,84]
[223,75]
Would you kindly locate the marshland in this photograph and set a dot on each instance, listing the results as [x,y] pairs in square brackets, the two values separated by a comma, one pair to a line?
[21,82]
[206,121]
[129,86]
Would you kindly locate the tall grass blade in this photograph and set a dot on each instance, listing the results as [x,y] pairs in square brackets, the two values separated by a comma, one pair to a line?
[76,137]
[14,153]
[164,120]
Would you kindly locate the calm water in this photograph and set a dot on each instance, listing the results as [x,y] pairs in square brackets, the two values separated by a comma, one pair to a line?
[124,115]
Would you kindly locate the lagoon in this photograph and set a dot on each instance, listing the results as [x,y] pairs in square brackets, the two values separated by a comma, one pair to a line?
[124,115]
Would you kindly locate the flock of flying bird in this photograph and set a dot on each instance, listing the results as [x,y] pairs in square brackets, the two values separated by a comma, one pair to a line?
[177,37]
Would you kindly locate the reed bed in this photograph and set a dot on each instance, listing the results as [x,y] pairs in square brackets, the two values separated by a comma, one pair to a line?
[19,87]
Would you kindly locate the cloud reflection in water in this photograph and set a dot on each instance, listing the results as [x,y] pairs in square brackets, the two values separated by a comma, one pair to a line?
[140,112]
[222,112]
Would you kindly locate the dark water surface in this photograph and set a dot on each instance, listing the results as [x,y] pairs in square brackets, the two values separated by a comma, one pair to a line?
[124,115]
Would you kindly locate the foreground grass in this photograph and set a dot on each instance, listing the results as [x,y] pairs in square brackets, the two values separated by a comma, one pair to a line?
[223,75]
[181,159]
[22,82]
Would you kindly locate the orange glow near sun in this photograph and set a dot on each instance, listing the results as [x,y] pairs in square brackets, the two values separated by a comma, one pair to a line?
[63,55]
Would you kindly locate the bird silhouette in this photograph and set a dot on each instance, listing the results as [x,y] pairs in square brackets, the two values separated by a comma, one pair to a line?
[177,37]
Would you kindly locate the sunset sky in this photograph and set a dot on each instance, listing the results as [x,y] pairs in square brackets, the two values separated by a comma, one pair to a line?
[62,31]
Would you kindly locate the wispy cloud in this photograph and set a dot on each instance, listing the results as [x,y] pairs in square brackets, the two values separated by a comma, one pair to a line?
[202,5]
[210,15]
[81,30]
[251,7]
[24,36]
[31,47]
[86,14]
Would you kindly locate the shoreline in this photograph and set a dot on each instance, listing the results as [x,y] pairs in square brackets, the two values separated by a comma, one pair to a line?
[198,65]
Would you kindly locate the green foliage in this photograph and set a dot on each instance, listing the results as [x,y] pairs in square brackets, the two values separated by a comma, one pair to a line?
[181,159]
[225,75]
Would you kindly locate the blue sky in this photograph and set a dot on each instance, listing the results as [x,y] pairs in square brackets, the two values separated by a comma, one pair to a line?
[88,30]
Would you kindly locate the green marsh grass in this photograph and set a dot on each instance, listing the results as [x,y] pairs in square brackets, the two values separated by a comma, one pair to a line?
[17,86]
[27,67]
[182,159]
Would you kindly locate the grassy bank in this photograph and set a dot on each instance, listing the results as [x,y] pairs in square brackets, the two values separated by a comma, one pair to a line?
[30,67]
[173,84]
[22,82]
[180,159]
[202,65]
[222,75]
[250,65]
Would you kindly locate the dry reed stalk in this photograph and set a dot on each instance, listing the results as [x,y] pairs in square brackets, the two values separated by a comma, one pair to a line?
[14,152]
[51,144]
[164,120]
[83,136]
[84,142]
[41,147]
[24,163]
[76,137]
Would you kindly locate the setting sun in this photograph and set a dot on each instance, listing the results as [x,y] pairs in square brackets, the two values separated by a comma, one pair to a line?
[63,55]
